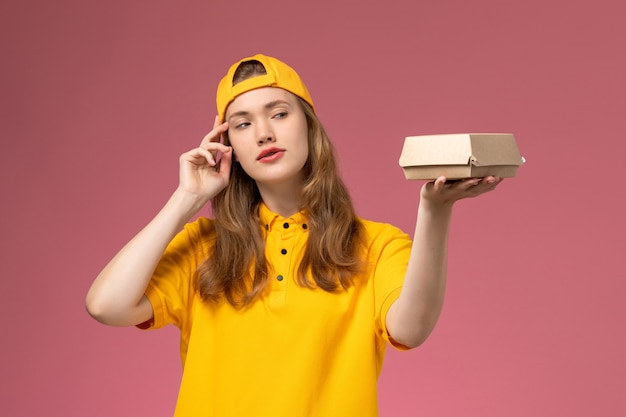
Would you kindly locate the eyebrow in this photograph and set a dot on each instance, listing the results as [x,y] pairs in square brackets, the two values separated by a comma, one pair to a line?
[268,106]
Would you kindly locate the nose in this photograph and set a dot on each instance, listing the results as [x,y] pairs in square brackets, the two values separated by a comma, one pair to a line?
[265,134]
[265,139]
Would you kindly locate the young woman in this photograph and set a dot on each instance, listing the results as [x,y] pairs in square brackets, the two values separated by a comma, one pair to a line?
[285,299]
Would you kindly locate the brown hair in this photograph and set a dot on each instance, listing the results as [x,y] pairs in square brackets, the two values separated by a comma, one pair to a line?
[236,267]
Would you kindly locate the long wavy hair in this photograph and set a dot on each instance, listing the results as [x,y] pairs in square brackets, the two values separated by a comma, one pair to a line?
[236,267]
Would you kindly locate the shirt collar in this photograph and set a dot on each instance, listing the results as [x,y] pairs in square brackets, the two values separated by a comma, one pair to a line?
[269,219]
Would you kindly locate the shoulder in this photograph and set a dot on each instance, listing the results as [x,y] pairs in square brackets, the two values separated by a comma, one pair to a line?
[375,228]
[379,234]
[202,226]
[387,249]
[199,233]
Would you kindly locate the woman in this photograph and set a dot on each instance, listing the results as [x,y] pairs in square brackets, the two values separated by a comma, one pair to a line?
[285,299]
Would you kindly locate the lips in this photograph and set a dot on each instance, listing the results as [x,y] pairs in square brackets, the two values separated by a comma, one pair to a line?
[270,154]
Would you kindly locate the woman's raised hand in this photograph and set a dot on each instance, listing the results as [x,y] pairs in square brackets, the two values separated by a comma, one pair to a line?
[205,170]
[442,191]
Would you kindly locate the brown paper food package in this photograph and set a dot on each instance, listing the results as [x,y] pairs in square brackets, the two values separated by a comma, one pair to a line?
[462,155]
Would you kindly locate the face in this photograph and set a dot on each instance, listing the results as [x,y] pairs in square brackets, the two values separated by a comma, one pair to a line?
[268,131]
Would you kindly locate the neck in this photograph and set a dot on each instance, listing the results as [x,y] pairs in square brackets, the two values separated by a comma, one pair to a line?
[283,199]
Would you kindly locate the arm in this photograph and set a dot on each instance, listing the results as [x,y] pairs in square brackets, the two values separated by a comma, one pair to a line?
[116,297]
[413,316]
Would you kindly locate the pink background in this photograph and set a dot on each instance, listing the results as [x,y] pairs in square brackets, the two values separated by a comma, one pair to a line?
[100,98]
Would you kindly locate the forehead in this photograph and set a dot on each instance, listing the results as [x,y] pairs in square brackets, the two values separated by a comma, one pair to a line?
[258,98]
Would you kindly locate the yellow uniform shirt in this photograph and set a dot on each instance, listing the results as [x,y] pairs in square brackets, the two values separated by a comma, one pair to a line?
[295,352]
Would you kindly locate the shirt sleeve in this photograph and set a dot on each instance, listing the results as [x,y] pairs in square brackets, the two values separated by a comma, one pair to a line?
[391,250]
[171,289]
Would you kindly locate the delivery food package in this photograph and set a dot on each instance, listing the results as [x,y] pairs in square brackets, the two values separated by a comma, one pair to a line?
[462,155]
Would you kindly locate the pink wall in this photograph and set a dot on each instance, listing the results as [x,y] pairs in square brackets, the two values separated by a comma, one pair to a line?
[99,99]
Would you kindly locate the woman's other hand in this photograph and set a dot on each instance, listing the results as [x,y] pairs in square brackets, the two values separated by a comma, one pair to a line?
[205,170]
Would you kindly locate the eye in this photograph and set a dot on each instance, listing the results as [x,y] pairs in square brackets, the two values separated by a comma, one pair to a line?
[280,115]
[242,125]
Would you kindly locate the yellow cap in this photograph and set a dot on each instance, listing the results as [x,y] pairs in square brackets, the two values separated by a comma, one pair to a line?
[278,75]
